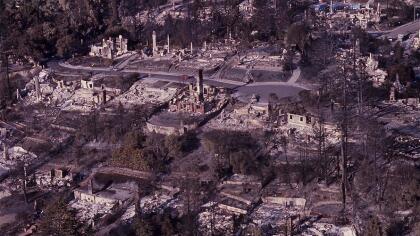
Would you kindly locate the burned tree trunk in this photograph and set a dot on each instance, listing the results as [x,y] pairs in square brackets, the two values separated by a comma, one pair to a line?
[7,86]
[344,136]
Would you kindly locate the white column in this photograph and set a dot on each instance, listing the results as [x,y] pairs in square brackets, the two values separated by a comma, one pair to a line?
[331,7]
[154,43]
[191,48]
[5,152]
[169,44]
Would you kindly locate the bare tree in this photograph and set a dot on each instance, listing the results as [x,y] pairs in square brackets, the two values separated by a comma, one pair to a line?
[320,135]
[190,193]
[343,122]
[285,144]
[19,174]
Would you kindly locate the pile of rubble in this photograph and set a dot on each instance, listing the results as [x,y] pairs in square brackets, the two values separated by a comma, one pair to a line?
[87,211]
[407,146]
[274,212]
[239,117]
[148,92]
[14,155]
[130,213]
[39,87]
[158,201]
[262,60]
[199,98]
[329,229]
[376,75]
[53,178]
[214,221]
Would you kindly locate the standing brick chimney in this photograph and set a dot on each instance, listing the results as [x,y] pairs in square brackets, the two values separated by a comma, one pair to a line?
[200,85]
[103,96]
[90,186]
[5,152]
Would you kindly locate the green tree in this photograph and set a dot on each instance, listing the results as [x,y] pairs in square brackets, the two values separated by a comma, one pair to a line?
[298,34]
[143,227]
[180,145]
[66,45]
[374,227]
[59,220]
[264,19]
[167,228]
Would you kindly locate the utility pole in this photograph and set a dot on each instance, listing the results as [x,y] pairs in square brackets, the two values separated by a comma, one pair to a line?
[356,55]
[344,136]
[415,14]
[344,148]
[24,182]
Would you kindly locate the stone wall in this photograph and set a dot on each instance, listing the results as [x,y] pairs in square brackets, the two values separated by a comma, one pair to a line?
[92,198]
[161,129]
[237,198]
[299,120]
[296,202]
[232,209]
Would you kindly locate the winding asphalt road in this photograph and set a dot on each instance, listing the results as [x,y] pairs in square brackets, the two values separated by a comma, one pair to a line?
[59,66]
[289,88]
[409,28]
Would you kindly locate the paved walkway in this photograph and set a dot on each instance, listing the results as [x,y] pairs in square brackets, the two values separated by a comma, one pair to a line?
[324,203]
[295,76]
[277,83]
[409,28]
[126,61]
